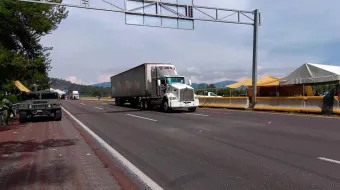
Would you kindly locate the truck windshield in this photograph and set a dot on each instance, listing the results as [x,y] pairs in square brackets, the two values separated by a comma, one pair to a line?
[30,96]
[49,96]
[173,80]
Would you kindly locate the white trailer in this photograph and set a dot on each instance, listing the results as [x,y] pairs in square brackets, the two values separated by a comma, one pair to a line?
[153,85]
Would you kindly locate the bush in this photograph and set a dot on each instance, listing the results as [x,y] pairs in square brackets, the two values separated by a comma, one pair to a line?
[11,98]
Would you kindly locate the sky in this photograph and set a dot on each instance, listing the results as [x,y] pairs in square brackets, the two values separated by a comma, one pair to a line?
[91,46]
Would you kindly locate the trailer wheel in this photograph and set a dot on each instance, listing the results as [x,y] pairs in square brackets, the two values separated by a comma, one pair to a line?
[142,104]
[147,104]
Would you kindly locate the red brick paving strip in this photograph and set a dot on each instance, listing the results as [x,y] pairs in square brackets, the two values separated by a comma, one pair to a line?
[123,181]
[44,155]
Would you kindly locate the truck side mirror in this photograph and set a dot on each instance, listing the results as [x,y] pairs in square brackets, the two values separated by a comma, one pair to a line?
[158,82]
[189,82]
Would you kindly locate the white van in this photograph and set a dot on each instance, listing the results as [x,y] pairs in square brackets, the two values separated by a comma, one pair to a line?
[75,95]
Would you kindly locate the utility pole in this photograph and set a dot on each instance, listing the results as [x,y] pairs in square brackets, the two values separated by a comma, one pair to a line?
[255,46]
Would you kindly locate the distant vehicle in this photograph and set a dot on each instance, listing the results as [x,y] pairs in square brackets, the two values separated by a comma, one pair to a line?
[40,103]
[209,94]
[75,95]
[153,85]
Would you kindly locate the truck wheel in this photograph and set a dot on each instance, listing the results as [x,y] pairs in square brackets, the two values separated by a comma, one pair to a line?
[192,109]
[57,115]
[142,104]
[23,117]
[165,106]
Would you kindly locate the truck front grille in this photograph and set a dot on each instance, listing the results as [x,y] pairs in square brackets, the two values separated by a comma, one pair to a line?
[186,95]
[40,107]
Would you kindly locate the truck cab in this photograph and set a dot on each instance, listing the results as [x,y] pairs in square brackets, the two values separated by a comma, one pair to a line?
[173,90]
[75,95]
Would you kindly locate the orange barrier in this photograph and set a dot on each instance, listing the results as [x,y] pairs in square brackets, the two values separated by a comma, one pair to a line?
[307,104]
[336,105]
[224,102]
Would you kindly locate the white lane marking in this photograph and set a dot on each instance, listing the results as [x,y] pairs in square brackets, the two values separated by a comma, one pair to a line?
[104,103]
[83,104]
[141,117]
[126,163]
[98,108]
[198,114]
[329,160]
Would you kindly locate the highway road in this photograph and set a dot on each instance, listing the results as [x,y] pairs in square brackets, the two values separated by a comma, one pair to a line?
[220,149]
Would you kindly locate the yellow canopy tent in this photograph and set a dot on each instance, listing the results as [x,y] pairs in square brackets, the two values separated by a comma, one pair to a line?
[274,82]
[239,84]
[21,87]
[264,81]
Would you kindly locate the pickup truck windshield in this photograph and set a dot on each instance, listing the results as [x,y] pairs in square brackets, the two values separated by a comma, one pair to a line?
[173,80]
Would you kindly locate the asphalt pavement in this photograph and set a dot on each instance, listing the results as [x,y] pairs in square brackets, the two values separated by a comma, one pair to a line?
[220,149]
[46,154]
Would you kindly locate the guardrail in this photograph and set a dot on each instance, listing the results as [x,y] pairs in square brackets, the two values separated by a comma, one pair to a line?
[224,102]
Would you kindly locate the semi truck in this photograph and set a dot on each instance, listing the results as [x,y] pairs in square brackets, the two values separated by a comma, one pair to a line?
[75,95]
[152,85]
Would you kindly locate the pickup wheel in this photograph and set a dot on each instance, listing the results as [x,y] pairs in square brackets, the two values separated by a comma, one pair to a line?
[57,115]
[192,109]
[22,117]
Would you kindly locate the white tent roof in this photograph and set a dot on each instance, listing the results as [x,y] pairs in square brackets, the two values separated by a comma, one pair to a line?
[310,73]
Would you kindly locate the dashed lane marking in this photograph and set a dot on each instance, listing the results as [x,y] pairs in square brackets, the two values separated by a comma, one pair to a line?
[141,117]
[198,114]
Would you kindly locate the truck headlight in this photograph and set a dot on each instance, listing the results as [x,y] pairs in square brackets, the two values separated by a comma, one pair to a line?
[30,106]
[49,105]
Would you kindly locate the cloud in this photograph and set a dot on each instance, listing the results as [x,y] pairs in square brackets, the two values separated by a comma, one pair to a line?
[94,45]
[77,80]
[104,78]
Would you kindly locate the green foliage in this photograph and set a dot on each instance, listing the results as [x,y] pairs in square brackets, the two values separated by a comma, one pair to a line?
[323,88]
[211,86]
[22,57]
[12,98]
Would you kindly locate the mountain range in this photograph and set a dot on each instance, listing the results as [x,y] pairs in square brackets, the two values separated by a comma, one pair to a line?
[221,84]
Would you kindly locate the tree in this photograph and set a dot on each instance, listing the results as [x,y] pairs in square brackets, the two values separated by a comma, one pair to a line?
[211,86]
[22,57]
